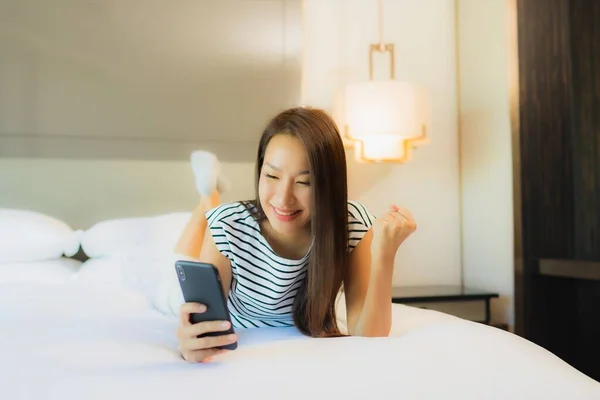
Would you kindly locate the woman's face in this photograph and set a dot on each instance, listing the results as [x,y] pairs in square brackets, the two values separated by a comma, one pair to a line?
[284,185]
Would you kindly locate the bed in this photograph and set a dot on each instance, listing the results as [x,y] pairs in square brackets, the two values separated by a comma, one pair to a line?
[100,326]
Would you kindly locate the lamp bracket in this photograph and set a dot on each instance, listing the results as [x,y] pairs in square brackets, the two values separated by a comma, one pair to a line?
[381,48]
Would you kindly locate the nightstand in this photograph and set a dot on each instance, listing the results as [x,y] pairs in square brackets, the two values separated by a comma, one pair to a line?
[467,303]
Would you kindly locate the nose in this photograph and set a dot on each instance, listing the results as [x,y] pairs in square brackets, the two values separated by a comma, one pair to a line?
[285,195]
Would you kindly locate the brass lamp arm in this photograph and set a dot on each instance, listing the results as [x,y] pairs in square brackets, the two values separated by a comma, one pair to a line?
[382,48]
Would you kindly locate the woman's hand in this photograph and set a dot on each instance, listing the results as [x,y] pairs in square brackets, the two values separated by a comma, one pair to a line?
[194,349]
[391,230]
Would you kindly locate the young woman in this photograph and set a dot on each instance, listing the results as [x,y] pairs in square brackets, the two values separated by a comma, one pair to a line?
[284,257]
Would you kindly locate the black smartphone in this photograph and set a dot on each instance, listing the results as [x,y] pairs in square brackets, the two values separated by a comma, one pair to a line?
[201,283]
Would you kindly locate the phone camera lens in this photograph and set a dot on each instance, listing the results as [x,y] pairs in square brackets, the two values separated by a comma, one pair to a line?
[180,273]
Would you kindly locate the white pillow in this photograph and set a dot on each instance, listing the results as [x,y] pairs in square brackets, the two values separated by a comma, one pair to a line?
[31,236]
[44,272]
[134,236]
[103,272]
[152,276]
[133,271]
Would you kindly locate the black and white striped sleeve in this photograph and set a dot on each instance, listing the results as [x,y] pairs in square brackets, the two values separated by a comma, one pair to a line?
[360,221]
[216,219]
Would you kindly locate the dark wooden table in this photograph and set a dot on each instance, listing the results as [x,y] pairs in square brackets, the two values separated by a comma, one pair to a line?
[442,293]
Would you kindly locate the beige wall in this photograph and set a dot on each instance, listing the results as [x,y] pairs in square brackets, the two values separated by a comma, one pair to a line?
[337,35]
[133,79]
[486,154]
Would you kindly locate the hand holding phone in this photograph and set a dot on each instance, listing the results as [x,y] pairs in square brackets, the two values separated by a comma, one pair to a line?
[194,343]
[205,327]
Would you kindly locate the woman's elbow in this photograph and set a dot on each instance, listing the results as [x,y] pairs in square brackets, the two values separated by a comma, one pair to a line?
[371,330]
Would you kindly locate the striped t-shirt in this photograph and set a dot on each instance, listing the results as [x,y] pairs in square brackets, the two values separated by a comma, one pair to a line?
[263,284]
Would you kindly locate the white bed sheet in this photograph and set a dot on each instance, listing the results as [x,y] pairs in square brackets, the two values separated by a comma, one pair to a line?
[75,342]
[58,271]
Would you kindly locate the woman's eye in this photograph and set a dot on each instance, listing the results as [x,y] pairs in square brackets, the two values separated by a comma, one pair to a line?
[304,183]
[270,176]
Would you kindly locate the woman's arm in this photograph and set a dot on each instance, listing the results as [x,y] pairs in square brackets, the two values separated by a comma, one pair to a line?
[210,254]
[368,287]
[200,350]
[197,242]
[368,280]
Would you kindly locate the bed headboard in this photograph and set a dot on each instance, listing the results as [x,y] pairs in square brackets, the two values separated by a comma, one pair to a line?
[102,102]
[83,192]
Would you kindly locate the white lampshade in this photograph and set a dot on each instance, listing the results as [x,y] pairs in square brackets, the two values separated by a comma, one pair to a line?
[384,118]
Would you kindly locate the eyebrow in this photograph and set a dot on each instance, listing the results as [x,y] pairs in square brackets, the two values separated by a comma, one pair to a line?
[305,172]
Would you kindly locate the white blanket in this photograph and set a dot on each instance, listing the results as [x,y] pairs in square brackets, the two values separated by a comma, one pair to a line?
[76,342]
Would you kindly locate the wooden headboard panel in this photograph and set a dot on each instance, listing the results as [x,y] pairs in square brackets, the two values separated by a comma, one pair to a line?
[84,192]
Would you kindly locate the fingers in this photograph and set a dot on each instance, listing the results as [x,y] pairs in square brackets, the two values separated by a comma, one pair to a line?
[192,344]
[400,217]
[191,331]
[400,212]
[395,217]
[405,213]
[200,356]
[189,308]
[200,349]
[209,342]
[203,348]
[188,333]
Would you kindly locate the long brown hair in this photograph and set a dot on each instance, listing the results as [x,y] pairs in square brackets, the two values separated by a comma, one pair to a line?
[314,304]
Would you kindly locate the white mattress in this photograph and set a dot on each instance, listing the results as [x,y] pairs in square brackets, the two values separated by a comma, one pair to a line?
[74,342]
[50,272]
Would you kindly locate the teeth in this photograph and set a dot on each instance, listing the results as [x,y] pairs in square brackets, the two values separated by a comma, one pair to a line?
[284,213]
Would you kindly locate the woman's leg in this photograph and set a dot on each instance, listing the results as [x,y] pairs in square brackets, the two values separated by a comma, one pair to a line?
[192,237]
[210,184]
[166,295]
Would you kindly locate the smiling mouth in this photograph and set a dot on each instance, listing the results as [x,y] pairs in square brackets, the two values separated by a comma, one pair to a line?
[285,213]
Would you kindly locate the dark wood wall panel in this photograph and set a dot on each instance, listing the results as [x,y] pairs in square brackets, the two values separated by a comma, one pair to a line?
[585,133]
[559,140]
[587,330]
[544,64]
[544,70]
[585,61]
